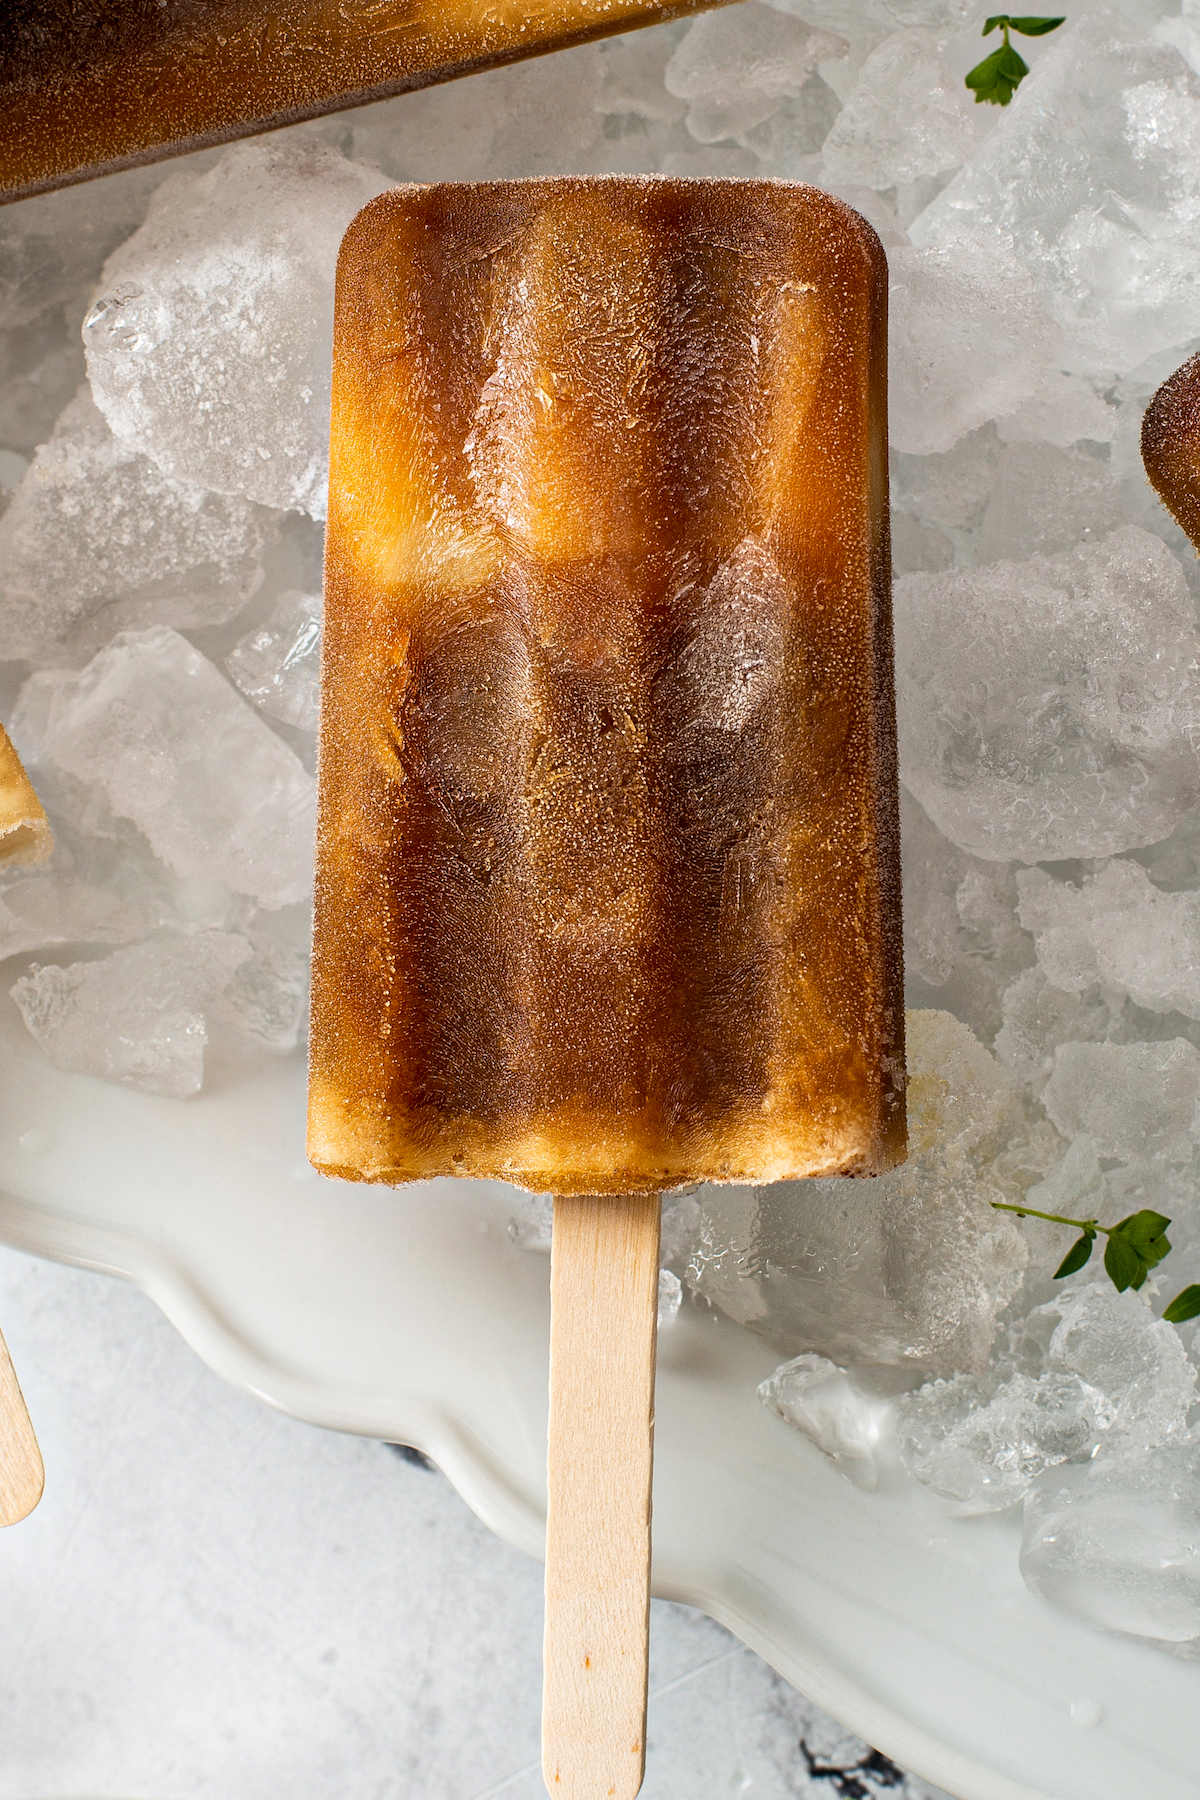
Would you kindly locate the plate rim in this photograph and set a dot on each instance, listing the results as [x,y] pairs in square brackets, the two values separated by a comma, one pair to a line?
[434,1430]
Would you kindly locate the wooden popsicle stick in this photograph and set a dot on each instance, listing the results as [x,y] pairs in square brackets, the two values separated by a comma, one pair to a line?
[22,1476]
[603,1333]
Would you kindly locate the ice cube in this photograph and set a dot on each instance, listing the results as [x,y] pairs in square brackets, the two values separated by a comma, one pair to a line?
[1118,929]
[179,752]
[1134,1365]
[138,1016]
[278,665]
[40,912]
[1076,1189]
[268,993]
[1133,1100]
[209,346]
[1092,176]
[670,1295]
[1062,410]
[982,1443]
[944,302]
[97,540]
[532,1225]
[961,933]
[632,77]
[735,70]
[906,117]
[1047,709]
[1116,1542]
[817,1397]
[53,246]
[535,118]
[910,1268]
[1046,499]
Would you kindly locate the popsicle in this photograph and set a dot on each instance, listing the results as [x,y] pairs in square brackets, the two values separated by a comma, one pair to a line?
[607,886]
[1171,446]
[88,89]
[24,838]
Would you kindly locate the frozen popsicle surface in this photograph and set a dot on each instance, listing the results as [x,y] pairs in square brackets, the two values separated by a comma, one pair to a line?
[1171,446]
[607,886]
[86,89]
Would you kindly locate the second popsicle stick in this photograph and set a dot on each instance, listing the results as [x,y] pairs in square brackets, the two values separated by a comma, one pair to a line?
[603,1332]
[21,1474]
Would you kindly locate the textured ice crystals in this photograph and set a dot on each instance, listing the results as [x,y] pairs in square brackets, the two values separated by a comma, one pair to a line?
[1049,708]
[157,728]
[208,349]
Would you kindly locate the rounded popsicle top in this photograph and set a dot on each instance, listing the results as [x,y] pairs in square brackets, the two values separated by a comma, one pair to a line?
[1171,446]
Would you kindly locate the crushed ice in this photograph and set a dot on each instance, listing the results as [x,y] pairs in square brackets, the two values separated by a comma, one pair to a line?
[164,370]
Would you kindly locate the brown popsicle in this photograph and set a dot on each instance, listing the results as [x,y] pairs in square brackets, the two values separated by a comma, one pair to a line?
[607,886]
[85,90]
[1171,446]
[24,838]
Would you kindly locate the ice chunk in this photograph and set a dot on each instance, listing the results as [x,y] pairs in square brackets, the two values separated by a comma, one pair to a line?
[137,1016]
[1134,1365]
[1048,709]
[944,304]
[1076,1189]
[632,78]
[680,1227]
[1046,499]
[1093,175]
[1119,929]
[670,1295]
[1133,1100]
[97,539]
[532,1225]
[1062,410]
[735,69]
[535,118]
[907,116]
[961,933]
[179,752]
[39,912]
[278,665]
[982,1443]
[1116,1542]
[817,1397]
[268,994]
[916,546]
[54,245]
[909,1268]
[1037,1019]
[209,347]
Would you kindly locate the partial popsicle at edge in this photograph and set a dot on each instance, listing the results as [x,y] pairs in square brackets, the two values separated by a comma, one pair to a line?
[24,838]
[88,89]
[607,886]
[1171,446]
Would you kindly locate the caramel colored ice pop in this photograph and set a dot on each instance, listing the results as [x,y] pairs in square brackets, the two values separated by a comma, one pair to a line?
[88,89]
[607,886]
[24,838]
[1171,446]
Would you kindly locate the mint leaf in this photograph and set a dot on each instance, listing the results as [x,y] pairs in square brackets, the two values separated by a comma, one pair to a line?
[1000,19]
[1184,1306]
[1123,1263]
[1076,1256]
[1145,1232]
[1034,27]
[998,76]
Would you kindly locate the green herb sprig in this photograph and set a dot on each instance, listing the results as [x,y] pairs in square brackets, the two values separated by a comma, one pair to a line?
[997,78]
[1135,1245]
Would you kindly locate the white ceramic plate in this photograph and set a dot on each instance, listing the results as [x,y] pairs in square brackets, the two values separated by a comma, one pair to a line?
[408,1314]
